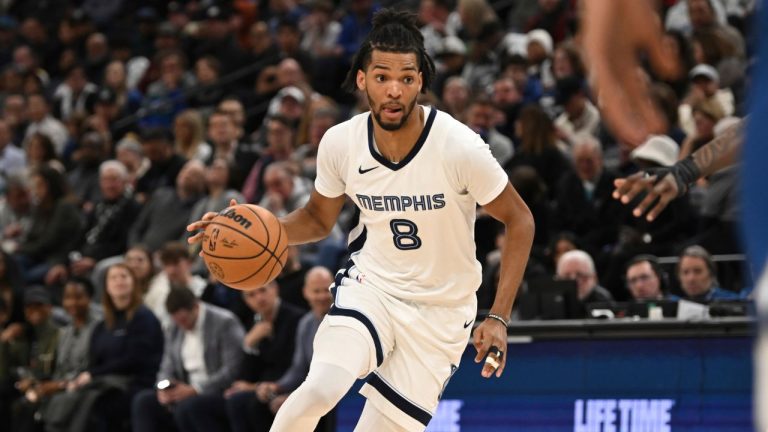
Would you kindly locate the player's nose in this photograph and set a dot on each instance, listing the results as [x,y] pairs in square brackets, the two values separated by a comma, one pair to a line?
[394,90]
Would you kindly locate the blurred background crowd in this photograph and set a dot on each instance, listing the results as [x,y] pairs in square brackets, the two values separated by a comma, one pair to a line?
[123,121]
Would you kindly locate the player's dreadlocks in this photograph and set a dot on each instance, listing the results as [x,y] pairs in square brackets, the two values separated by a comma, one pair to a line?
[393,31]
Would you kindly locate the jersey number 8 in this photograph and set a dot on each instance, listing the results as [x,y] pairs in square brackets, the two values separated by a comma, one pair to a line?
[404,234]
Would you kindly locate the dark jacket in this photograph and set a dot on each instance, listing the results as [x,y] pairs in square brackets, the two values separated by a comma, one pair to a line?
[132,348]
[53,233]
[106,231]
[272,356]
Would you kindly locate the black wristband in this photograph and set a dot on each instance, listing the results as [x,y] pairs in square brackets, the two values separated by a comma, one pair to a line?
[686,171]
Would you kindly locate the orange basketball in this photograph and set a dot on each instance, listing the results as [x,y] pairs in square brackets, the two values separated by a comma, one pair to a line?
[245,246]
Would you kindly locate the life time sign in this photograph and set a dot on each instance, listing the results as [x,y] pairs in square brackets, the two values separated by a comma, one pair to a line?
[623,415]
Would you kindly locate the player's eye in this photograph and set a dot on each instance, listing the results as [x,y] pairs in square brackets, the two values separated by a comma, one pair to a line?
[408,80]
[379,78]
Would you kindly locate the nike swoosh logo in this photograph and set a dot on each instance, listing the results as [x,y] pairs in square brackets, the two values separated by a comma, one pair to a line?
[363,171]
[467,324]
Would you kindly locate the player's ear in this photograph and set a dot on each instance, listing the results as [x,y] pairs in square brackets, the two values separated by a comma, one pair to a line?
[360,80]
[421,81]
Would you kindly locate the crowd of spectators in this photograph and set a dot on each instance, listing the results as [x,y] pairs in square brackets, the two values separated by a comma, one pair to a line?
[123,121]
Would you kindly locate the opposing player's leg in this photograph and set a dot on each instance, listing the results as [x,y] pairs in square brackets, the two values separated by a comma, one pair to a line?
[341,355]
[373,419]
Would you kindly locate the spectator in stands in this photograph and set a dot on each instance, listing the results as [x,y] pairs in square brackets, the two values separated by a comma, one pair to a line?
[165,215]
[262,50]
[566,62]
[481,118]
[12,296]
[139,259]
[83,177]
[166,96]
[516,67]
[270,340]
[12,159]
[585,195]
[698,276]
[288,37]
[165,164]
[645,278]
[507,99]
[706,114]
[305,156]
[41,121]
[539,47]
[555,17]
[232,106]
[124,356]
[219,40]
[285,191]
[224,136]
[14,113]
[208,89]
[270,395]
[580,116]
[189,133]
[539,147]
[175,273]
[105,227]
[355,25]
[71,358]
[129,152]
[280,144]
[15,210]
[202,357]
[41,152]
[54,231]
[456,97]
[577,265]
[28,358]
[704,87]
[75,96]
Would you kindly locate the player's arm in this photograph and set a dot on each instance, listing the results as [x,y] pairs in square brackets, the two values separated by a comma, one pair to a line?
[511,210]
[665,184]
[315,220]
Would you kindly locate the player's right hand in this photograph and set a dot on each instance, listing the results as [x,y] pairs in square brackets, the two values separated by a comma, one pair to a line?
[200,225]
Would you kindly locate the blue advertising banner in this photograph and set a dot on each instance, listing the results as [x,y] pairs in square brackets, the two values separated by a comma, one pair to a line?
[628,385]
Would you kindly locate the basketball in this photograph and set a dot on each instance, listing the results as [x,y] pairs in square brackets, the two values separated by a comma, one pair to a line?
[245,246]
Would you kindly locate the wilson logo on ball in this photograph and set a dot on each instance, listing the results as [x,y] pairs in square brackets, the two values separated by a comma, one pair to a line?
[238,218]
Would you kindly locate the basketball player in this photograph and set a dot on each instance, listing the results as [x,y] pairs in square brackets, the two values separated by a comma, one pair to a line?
[405,302]
[607,54]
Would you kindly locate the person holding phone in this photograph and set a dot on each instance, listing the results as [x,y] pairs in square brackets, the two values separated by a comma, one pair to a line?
[201,359]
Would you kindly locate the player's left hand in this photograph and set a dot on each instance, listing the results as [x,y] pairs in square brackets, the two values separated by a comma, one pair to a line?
[491,333]
[200,225]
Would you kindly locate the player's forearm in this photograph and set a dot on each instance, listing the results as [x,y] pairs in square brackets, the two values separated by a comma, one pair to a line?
[514,258]
[304,227]
[722,151]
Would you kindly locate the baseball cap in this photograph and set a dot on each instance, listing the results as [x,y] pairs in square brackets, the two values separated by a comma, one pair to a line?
[452,45]
[292,92]
[704,70]
[659,149]
[37,295]
[542,37]
[567,87]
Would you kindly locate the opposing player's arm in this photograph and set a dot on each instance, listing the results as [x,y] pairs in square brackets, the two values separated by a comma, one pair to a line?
[511,210]
[665,184]
[315,220]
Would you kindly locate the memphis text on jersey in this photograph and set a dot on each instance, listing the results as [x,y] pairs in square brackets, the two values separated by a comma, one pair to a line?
[389,203]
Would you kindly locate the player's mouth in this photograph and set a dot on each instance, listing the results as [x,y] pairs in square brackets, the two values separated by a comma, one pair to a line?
[391,110]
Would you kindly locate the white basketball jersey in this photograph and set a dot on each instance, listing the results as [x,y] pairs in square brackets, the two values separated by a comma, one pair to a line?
[415,237]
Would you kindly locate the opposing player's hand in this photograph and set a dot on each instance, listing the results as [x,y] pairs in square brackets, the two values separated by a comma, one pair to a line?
[491,333]
[615,32]
[659,192]
[200,225]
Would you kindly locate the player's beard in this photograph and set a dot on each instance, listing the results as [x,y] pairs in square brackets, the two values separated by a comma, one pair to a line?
[407,110]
